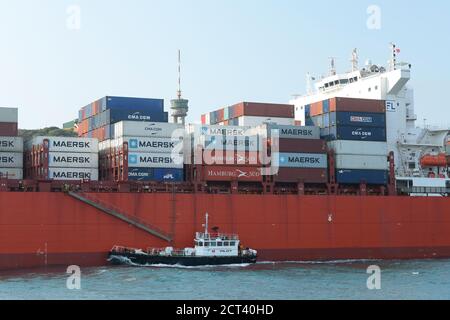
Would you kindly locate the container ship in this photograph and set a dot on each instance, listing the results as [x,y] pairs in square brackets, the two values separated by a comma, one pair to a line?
[341,172]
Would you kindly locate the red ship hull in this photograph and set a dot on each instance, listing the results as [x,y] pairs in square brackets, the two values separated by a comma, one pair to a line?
[54,229]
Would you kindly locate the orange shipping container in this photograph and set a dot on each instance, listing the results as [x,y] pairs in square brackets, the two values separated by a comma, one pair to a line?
[316,108]
[357,105]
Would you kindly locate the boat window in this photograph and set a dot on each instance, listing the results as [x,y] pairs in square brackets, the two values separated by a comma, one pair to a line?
[226,243]
[206,243]
[213,244]
[219,243]
[200,244]
[232,243]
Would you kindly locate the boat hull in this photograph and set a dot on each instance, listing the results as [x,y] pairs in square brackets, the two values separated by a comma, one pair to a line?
[147,260]
[39,229]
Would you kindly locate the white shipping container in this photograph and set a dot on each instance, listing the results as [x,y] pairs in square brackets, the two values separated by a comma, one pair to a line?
[151,144]
[72,174]
[69,144]
[146,129]
[11,160]
[300,160]
[9,115]
[359,148]
[361,162]
[257,121]
[73,160]
[292,132]
[241,143]
[11,144]
[155,160]
[14,174]
[218,130]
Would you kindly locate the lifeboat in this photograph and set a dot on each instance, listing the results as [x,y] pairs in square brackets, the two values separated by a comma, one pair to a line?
[434,161]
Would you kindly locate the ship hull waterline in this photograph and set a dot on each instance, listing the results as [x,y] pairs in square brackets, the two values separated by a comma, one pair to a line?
[53,229]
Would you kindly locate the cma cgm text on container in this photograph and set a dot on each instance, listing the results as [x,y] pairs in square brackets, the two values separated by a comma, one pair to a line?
[156,174]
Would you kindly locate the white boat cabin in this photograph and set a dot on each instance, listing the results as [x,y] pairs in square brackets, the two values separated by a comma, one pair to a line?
[216,245]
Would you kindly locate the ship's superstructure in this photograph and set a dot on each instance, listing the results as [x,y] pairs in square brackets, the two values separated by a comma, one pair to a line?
[417,150]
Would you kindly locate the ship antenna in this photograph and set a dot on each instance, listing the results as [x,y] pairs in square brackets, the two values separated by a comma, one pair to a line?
[355,60]
[393,61]
[333,66]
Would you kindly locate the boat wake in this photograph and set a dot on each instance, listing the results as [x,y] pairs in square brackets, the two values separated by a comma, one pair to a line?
[325,262]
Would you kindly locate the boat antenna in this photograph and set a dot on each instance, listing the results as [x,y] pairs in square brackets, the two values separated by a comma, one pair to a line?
[206,224]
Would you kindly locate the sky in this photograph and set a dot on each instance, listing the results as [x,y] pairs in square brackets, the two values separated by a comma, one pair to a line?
[59,55]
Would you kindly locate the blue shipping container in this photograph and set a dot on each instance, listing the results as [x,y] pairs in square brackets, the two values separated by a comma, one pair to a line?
[326,106]
[158,175]
[168,175]
[326,120]
[317,121]
[358,134]
[363,119]
[308,111]
[226,113]
[309,122]
[136,104]
[117,115]
[349,176]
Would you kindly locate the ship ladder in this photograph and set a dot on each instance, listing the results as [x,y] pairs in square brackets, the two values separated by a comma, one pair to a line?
[134,221]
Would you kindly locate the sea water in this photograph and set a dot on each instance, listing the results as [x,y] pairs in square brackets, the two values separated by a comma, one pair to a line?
[424,279]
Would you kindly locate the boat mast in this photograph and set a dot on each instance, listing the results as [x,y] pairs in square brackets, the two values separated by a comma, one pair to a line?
[206,224]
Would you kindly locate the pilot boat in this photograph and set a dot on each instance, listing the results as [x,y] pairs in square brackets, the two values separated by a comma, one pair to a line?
[211,248]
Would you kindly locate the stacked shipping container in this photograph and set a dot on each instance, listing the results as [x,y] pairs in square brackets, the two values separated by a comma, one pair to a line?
[143,151]
[11,146]
[96,120]
[251,114]
[356,131]
[299,153]
[62,158]
[227,153]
